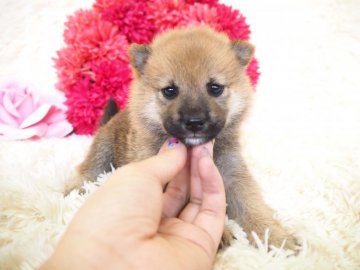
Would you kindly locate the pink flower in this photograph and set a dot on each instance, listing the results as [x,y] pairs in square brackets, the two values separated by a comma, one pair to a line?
[26,115]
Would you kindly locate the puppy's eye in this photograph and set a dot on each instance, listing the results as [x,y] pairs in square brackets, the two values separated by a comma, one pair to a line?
[215,89]
[170,92]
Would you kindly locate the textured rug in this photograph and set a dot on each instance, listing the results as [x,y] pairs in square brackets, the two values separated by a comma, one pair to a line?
[301,142]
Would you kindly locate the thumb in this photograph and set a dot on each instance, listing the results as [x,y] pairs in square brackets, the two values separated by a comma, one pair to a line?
[165,165]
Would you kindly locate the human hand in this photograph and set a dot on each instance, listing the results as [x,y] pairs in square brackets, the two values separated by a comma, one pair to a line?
[130,222]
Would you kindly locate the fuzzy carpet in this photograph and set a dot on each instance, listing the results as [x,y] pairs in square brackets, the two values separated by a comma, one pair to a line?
[302,141]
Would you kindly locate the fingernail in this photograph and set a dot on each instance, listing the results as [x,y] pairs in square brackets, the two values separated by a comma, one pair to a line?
[172,142]
[169,144]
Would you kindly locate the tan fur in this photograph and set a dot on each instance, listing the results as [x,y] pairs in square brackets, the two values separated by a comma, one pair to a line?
[188,58]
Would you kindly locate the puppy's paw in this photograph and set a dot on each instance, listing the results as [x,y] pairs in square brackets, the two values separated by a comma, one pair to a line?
[278,235]
[75,181]
[226,239]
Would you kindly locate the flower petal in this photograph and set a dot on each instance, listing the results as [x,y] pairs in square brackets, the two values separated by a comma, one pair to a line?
[36,116]
[7,118]
[21,134]
[9,106]
[55,115]
[59,129]
[25,108]
[19,98]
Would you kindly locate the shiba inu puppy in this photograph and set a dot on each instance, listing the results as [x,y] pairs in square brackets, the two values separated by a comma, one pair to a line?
[190,84]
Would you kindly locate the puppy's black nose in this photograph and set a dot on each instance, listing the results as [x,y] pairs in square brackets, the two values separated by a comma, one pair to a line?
[194,124]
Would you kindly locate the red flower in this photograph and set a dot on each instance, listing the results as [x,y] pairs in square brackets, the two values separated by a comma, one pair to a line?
[166,14]
[102,4]
[232,22]
[88,97]
[253,71]
[88,33]
[130,17]
[80,112]
[209,2]
[113,79]
[201,14]
[88,38]
[94,65]
[68,65]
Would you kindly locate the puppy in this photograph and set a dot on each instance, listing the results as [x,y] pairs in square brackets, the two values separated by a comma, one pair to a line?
[190,84]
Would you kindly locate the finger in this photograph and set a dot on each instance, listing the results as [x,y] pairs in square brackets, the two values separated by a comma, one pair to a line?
[192,208]
[212,212]
[176,193]
[166,165]
[134,191]
[194,205]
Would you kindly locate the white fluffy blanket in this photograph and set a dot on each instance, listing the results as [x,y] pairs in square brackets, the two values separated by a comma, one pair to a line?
[302,141]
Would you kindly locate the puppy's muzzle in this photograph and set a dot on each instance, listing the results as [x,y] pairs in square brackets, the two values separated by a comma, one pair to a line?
[193,128]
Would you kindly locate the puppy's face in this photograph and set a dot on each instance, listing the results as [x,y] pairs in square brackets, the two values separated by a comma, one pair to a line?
[191,83]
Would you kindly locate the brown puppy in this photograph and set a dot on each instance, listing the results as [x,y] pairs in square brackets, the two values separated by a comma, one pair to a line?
[190,84]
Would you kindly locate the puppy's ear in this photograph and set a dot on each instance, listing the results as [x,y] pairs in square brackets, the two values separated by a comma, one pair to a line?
[139,54]
[244,51]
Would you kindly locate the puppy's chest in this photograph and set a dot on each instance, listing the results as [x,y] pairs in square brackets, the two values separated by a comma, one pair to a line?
[136,146]
[229,163]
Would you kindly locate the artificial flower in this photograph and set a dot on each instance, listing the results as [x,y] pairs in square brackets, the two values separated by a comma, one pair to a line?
[24,114]
[232,22]
[88,97]
[131,18]
[94,65]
